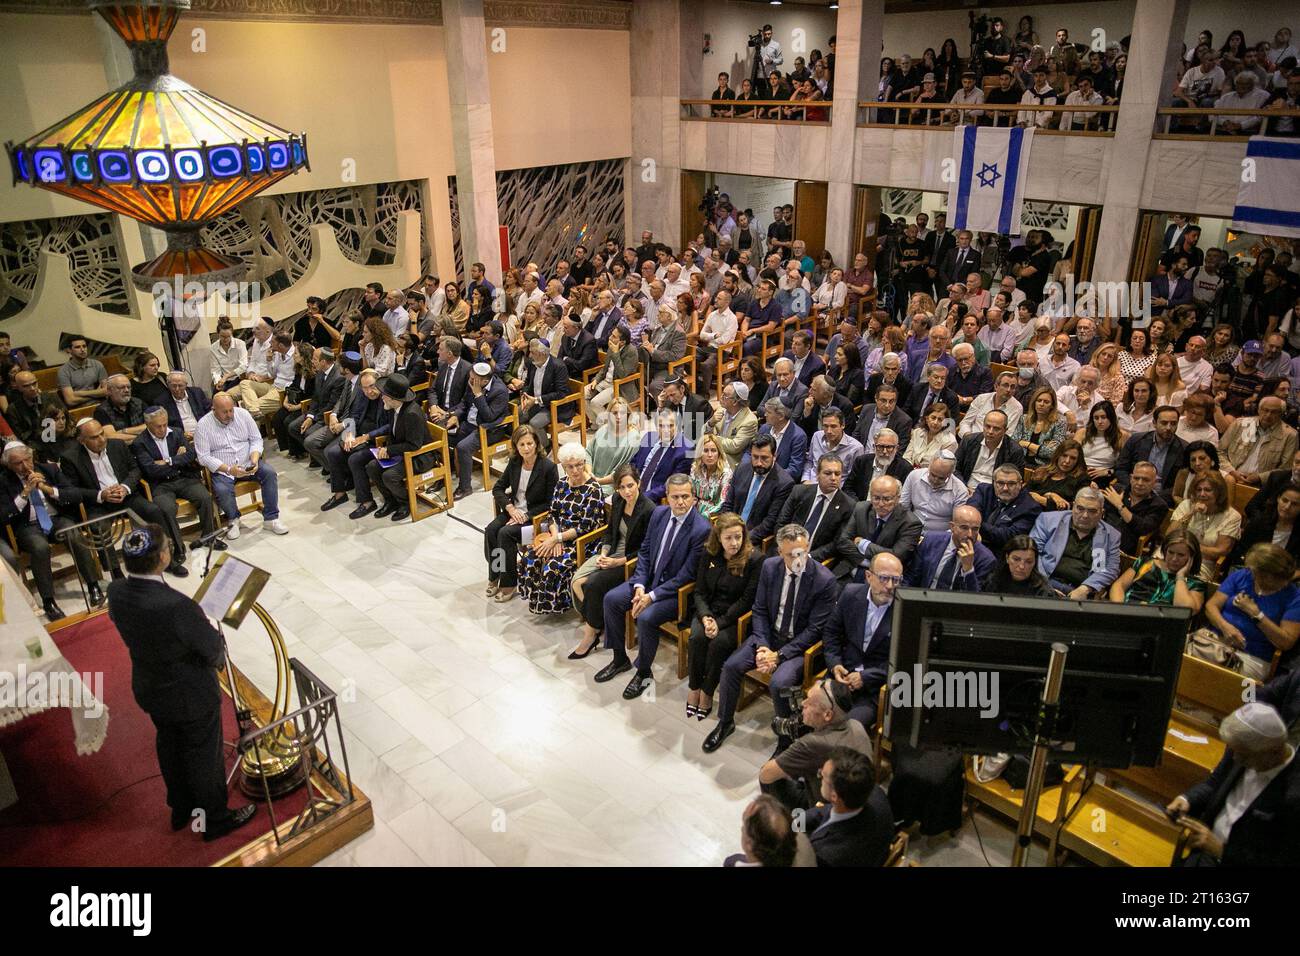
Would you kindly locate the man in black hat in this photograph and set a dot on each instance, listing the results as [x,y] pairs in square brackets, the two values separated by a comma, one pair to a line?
[407,433]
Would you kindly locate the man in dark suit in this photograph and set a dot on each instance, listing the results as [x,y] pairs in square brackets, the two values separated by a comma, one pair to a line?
[577,347]
[1161,446]
[1247,812]
[666,562]
[855,826]
[406,433]
[795,597]
[606,317]
[185,404]
[693,412]
[791,440]
[1007,508]
[37,502]
[107,478]
[175,654]
[955,560]
[329,384]
[449,382]
[1137,511]
[758,490]
[485,404]
[886,461]
[933,389]
[333,416]
[883,413]
[938,242]
[172,469]
[821,396]
[879,524]
[858,635]
[958,262]
[545,380]
[821,508]
[807,363]
[786,386]
[663,453]
[978,456]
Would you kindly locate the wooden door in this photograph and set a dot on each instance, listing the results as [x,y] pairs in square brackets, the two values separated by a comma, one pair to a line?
[692,194]
[810,215]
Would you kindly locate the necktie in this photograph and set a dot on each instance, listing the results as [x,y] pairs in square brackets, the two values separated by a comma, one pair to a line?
[867,630]
[880,524]
[664,549]
[42,513]
[787,610]
[815,516]
[651,463]
[754,487]
[946,576]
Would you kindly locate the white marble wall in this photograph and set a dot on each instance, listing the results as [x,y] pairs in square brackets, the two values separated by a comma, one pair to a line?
[1193,176]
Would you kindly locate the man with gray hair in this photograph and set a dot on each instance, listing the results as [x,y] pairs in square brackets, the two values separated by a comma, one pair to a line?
[545,380]
[37,502]
[121,415]
[733,424]
[1247,812]
[185,404]
[786,385]
[1078,552]
[171,466]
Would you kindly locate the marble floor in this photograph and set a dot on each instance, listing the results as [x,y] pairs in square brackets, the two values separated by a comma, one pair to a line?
[477,741]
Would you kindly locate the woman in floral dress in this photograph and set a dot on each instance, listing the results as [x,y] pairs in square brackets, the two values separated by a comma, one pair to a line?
[577,508]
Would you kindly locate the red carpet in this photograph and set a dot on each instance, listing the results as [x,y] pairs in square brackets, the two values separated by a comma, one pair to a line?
[107,809]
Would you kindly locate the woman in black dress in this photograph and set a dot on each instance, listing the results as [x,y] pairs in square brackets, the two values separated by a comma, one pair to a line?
[846,374]
[629,515]
[1279,525]
[725,584]
[523,491]
[146,383]
[754,376]
[1017,572]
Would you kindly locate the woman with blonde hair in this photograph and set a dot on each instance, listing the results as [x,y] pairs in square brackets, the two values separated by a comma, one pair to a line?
[1205,513]
[1106,361]
[577,508]
[1166,383]
[1256,609]
[919,302]
[616,441]
[933,435]
[378,347]
[1041,428]
[1169,578]
[710,475]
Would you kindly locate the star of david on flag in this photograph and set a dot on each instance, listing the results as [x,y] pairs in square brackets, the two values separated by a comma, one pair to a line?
[992,166]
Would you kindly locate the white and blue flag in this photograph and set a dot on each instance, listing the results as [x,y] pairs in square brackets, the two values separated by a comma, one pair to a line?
[992,166]
[1268,201]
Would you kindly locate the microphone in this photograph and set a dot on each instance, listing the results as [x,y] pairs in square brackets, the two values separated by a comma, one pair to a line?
[212,536]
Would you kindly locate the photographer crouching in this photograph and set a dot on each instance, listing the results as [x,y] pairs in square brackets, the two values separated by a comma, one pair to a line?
[175,656]
[822,724]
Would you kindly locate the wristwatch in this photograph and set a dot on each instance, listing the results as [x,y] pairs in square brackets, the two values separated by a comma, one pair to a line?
[1259,617]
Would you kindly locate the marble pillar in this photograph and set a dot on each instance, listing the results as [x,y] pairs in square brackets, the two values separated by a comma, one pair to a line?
[859,32]
[1158,26]
[465,38]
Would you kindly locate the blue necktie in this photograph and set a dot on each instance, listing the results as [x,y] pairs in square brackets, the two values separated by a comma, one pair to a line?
[754,487]
[651,462]
[665,549]
[42,513]
[946,577]
[815,516]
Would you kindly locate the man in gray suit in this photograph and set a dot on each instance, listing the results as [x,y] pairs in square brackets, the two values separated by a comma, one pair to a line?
[878,524]
[661,344]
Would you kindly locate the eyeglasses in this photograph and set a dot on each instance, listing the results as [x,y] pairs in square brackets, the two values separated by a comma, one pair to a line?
[889,580]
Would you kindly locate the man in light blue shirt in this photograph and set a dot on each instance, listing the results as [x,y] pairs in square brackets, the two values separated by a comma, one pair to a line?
[229,445]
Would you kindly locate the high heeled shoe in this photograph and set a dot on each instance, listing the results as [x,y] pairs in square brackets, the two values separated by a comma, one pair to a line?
[691,711]
[595,643]
[701,714]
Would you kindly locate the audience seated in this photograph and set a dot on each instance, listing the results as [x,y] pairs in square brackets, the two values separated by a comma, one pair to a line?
[662,453]
[523,491]
[1263,443]
[81,379]
[229,445]
[1274,523]
[934,491]
[332,416]
[485,404]
[1056,483]
[878,525]
[692,411]
[979,455]
[1170,578]
[185,404]
[767,837]
[883,413]
[1139,510]
[1077,551]
[821,507]
[301,429]
[955,560]
[857,637]
[1017,571]
[167,460]
[855,826]
[790,441]
[1001,398]
[734,425]
[1007,507]
[550,559]
[121,415]
[759,488]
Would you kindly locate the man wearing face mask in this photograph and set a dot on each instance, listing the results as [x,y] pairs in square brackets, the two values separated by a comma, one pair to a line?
[1078,552]
[794,600]
[1029,379]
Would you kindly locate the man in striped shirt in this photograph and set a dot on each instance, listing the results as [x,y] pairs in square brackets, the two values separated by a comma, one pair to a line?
[229,445]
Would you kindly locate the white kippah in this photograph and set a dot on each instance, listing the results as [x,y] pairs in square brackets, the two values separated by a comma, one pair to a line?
[741,390]
[1253,726]
[482,368]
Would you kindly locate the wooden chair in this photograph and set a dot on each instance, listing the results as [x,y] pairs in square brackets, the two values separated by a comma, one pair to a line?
[575,399]
[47,378]
[679,628]
[1241,495]
[1130,833]
[488,449]
[755,683]
[684,366]
[728,362]
[81,413]
[898,851]
[420,497]
[187,516]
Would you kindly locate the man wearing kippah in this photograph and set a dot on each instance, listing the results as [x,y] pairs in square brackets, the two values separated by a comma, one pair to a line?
[485,404]
[1247,813]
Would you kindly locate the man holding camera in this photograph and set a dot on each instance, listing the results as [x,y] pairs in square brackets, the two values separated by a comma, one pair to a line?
[767,53]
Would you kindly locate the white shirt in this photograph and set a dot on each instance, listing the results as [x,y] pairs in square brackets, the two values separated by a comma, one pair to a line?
[1245,792]
[103,471]
[538,375]
[1067,398]
[161,443]
[1205,432]
[719,328]
[1195,375]
[1077,99]
[227,363]
[874,613]
[521,495]
[1058,376]
[984,464]
[982,404]
[188,421]
[258,356]
[436,301]
[397,320]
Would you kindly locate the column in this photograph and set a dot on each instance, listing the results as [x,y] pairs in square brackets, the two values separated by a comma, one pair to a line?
[665,64]
[859,33]
[465,39]
[1158,28]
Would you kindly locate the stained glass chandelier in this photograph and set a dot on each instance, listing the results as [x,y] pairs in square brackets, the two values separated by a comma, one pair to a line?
[158,150]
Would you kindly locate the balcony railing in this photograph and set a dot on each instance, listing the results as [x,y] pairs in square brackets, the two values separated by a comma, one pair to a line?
[806,112]
[904,115]
[1213,123]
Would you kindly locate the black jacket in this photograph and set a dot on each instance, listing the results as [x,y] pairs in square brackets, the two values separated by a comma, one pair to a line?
[858,484]
[692,415]
[916,398]
[555,381]
[11,488]
[798,508]
[899,536]
[1268,833]
[541,485]
[81,473]
[1265,500]
[458,385]
[578,354]
[174,651]
[1138,448]
[1259,530]
[1003,522]
[720,594]
[811,423]
[493,405]
[876,379]
[767,507]
[898,421]
[198,401]
[326,392]
[968,453]
[636,523]
[184,465]
[862,840]
[1148,515]
[408,433]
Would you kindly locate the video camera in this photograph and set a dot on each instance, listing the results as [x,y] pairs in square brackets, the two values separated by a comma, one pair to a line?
[756,40]
[793,726]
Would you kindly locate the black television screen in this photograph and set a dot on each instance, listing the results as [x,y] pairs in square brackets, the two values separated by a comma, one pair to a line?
[967,671]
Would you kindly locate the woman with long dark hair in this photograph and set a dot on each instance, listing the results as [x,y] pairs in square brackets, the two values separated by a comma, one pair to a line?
[523,491]
[1017,571]
[1056,484]
[947,68]
[1102,440]
[886,88]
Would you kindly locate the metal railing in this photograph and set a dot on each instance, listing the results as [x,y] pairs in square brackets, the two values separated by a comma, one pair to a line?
[813,112]
[908,115]
[1211,122]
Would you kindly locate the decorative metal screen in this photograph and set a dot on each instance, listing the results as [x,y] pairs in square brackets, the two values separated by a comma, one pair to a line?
[91,248]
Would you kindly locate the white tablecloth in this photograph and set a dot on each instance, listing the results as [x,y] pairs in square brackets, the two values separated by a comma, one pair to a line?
[27,681]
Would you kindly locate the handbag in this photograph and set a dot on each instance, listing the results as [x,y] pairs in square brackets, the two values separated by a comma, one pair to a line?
[1204,643]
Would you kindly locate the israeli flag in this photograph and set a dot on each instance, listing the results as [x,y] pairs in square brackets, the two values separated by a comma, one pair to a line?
[992,166]
[1268,200]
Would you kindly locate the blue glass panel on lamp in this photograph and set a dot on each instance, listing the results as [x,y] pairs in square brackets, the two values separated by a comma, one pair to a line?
[277,155]
[114,166]
[50,166]
[225,161]
[256,158]
[152,167]
[82,167]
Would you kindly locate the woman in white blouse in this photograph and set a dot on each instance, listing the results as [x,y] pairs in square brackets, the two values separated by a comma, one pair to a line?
[933,436]
[1138,406]
[1137,358]
[1206,514]
[831,293]
[378,347]
[1166,381]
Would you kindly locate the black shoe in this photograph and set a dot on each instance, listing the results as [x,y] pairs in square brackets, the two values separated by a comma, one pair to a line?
[575,656]
[717,735]
[53,612]
[231,823]
[613,669]
[691,711]
[401,514]
[701,714]
[297,455]
[386,510]
[360,511]
[333,503]
[94,595]
[178,569]
[637,686]
[220,545]
[463,493]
